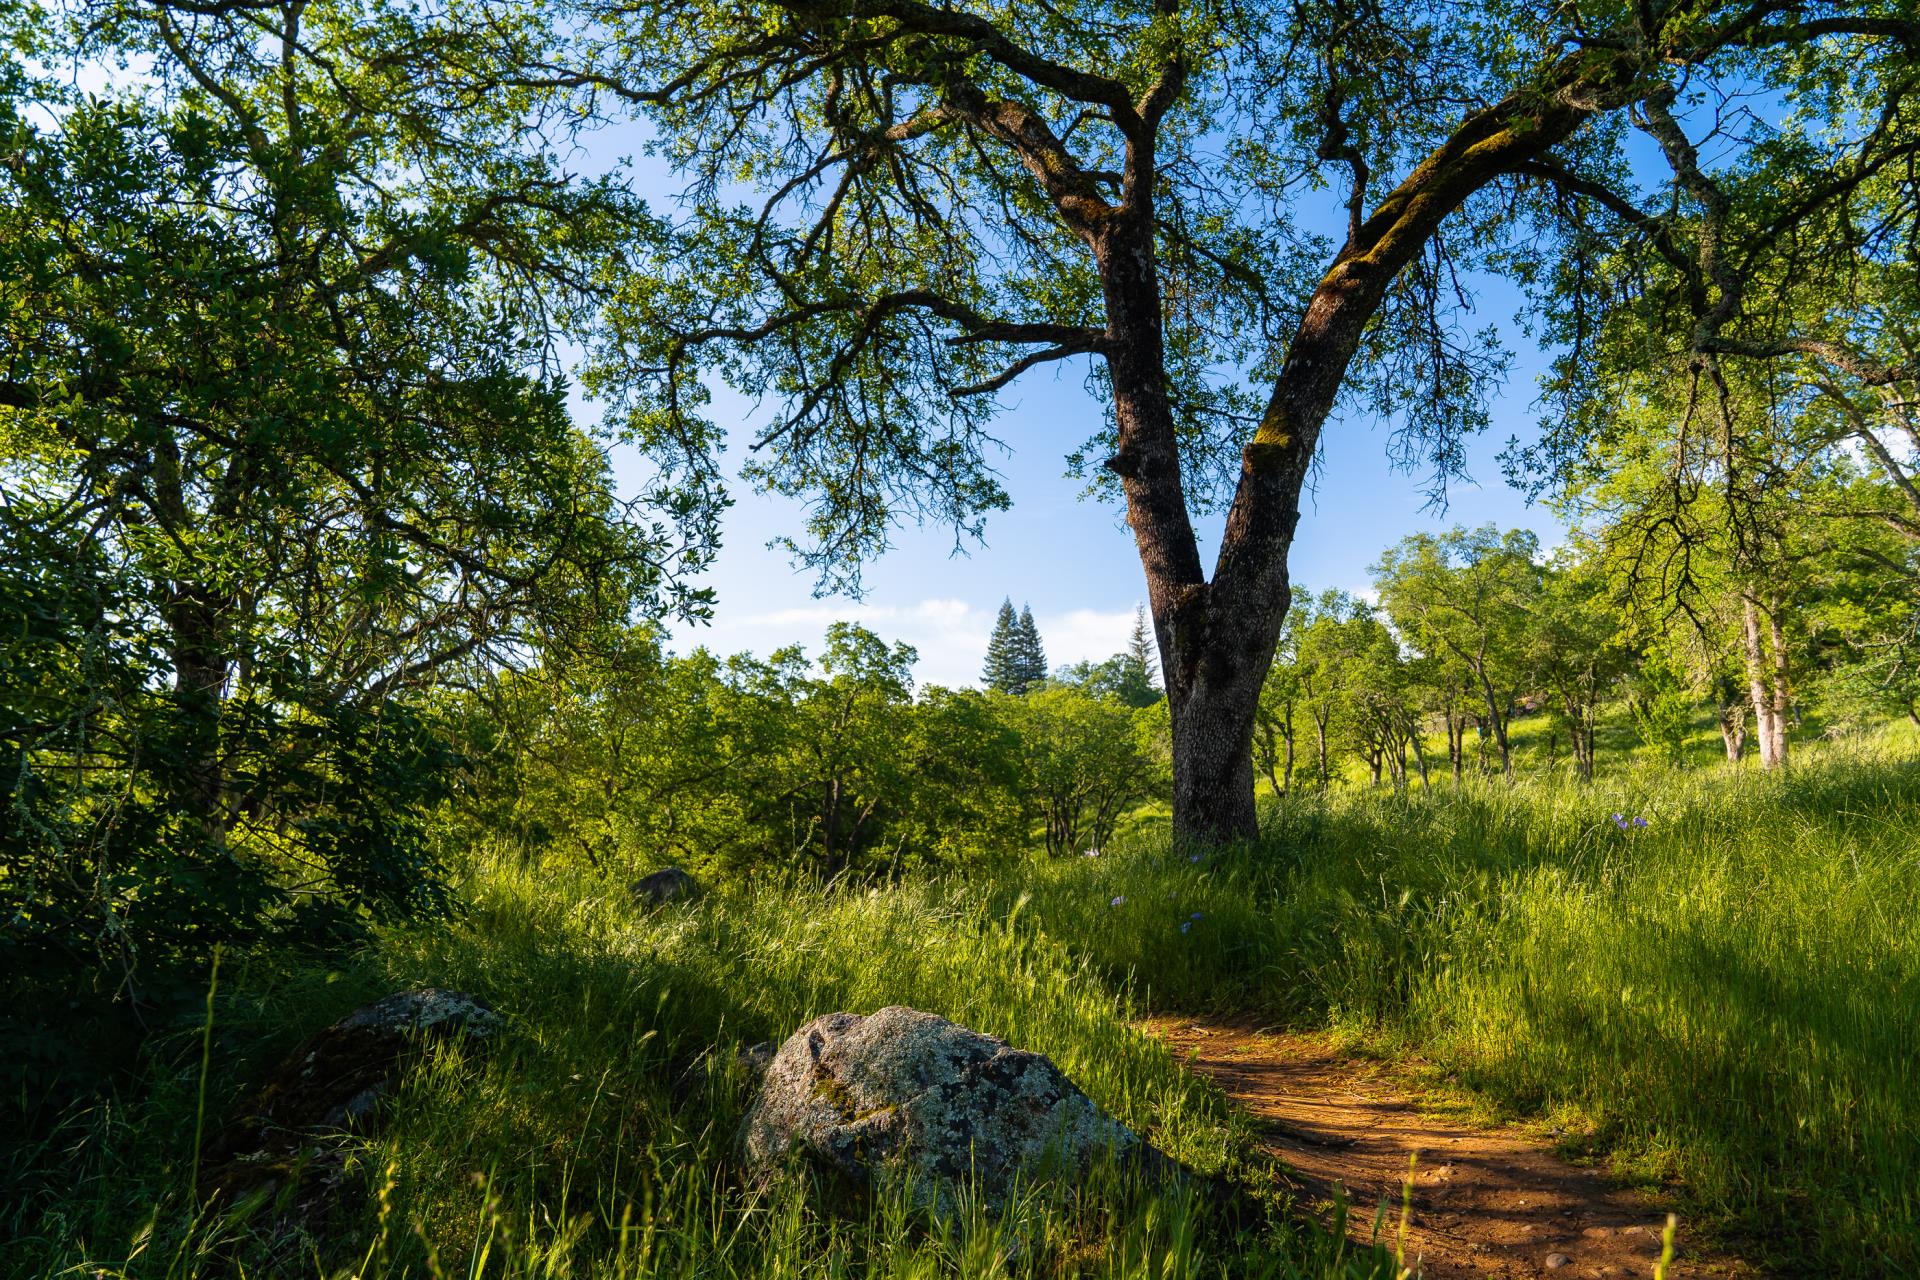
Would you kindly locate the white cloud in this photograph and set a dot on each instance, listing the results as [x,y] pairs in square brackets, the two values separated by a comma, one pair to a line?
[949,634]
[1084,634]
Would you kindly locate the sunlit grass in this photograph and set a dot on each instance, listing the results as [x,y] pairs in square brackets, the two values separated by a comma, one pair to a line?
[595,1137]
[1724,999]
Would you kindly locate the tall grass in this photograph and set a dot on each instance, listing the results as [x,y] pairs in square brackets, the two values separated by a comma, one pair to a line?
[595,1137]
[1727,999]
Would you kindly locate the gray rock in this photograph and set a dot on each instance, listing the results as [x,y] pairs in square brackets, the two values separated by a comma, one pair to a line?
[669,884]
[906,1093]
[286,1142]
[1555,1261]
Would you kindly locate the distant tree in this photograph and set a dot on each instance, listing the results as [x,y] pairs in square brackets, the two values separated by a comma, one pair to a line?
[1319,654]
[1273,723]
[1127,676]
[1030,660]
[1142,674]
[1468,593]
[1003,672]
[1085,765]
[1578,649]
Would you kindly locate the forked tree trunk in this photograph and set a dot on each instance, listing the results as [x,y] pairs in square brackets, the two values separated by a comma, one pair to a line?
[1217,634]
[1733,729]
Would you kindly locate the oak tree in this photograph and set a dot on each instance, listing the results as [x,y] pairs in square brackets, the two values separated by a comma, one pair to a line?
[1237,219]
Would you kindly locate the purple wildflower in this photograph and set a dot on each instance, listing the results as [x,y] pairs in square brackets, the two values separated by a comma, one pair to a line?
[1185,925]
[1195,858]
[1119,900]
[1640,823]
[1620,821]
[1196,916]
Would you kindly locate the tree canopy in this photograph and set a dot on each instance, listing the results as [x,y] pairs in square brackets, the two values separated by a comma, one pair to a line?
[1239,220]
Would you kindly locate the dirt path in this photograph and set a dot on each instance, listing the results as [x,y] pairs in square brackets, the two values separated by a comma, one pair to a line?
[1485,1203]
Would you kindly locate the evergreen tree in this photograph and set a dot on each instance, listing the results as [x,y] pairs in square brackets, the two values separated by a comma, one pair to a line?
[1032,656]
[1004,671]
[1137,673]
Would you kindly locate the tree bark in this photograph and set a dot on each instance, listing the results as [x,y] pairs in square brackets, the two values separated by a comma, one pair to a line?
[1766,680]
[1217,636]
[1733,729]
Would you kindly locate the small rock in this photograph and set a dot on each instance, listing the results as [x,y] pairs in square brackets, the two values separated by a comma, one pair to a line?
[902,1091]
[285,1141]
[1555,1261]
[669,884]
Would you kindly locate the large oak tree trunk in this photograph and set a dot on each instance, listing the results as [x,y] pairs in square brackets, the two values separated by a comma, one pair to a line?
[1213,757]
[1217,635]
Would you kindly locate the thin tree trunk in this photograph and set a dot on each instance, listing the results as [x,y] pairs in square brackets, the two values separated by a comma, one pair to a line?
[1499,728]
[1782,685]
[1767,733]
[1269,758]
[1733,729]
[1288,724]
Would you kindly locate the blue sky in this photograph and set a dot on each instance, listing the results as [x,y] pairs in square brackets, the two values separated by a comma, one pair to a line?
[1071,558]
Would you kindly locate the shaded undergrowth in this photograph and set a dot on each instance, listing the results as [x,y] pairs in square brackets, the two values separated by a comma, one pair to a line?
[595,1138]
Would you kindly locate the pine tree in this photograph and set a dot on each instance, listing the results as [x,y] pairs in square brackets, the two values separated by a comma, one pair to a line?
[1003,671]
[1032,655]
[1135,685]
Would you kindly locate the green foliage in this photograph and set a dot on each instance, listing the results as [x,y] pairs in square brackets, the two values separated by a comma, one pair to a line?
[1662,705]
[283,448]
[120,868]
[1082,764]
[640,759]
[1465,598]
[596,1136]
[1128,676]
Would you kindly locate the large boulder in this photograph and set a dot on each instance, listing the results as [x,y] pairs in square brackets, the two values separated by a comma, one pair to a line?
[669,884]
[285,1143]
[906,1093]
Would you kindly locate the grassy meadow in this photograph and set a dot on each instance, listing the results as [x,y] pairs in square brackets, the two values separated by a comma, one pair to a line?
[1721,1001]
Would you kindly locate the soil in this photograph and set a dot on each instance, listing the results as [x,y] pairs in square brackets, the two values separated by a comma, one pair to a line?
[1485,1203]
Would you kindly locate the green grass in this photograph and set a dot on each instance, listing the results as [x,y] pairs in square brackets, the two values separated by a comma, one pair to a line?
[1723,1002]
[1727,1000]
[595,1140]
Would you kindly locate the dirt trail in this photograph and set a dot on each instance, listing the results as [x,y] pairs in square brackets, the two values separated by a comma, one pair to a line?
[1484,1204]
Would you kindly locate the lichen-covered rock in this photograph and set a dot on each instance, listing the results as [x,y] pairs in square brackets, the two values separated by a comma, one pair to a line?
[283,1142]
[669,884]
[904,1092]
